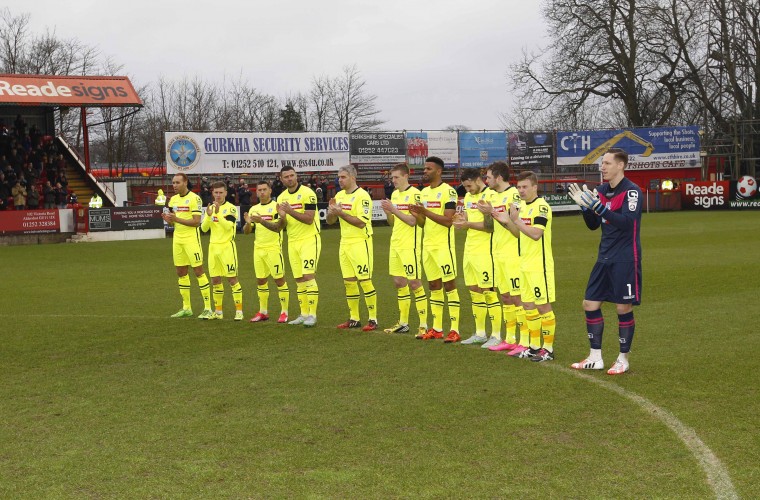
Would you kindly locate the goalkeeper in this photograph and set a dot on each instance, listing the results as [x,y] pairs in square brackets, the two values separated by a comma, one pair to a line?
[616,277]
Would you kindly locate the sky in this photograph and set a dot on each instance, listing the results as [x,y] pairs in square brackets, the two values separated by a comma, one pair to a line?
[431,64]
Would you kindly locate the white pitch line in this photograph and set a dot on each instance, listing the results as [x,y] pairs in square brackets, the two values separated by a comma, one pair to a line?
[717,475]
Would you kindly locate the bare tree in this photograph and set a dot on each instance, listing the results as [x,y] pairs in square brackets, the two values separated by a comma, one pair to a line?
[14,39]
[603,52]
[353,105]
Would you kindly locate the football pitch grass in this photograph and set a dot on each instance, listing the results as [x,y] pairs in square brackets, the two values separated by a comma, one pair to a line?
[103,395]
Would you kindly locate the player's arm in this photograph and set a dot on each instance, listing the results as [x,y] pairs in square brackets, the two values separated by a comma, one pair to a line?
[275,226]
[392,212]
[418,211]
[194,222]
[248,228]
[505,220]
[534,231]
[305,217]
[445,219]
[630,213]
[575,192]
[206,224]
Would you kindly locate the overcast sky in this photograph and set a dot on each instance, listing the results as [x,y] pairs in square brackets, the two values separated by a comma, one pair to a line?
[431,63]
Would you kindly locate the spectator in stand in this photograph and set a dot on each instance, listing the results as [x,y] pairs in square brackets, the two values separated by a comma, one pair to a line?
[320,194]
[62,180]
[60,163]
[389,187]
[73,199]
[22,180]
[5,191]
[206,196]
[49,195]
[61,195]
[19,195]
[244,197]
[277,187]
[231,191]
[4,164]
[323,185]
[33,200]
[20,126]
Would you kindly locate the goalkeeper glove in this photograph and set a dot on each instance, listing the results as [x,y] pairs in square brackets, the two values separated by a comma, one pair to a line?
[592,201]
[576,194]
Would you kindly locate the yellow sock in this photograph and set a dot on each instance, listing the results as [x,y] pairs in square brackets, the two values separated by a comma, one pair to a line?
[420,300]
[312,296]
[510,318]
[436,309]
[205,291]
[237,296]
[493,306]
[301,294]
[548,326]
[404,302]
[479,311]
[218,297]
[452,298]
[284,294]
[184,291]
[534,328]
[352,297]
[522,326]
[370,298]
[263,292]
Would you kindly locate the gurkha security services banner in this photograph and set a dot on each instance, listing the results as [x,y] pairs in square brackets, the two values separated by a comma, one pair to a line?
[647,148]
[420,145]
[251,152]
[480,149]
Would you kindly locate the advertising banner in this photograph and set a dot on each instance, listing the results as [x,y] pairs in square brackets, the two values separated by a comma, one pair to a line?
[705,194]
[67,90]
[648,148]
[254,152]
[480,149]
[125,218]
[420,145]
[744,193]
[377,147]
[29,222]
[561,202]
[531,149]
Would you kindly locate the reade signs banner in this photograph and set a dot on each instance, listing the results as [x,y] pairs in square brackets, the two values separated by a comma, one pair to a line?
[254,152]
[68,90]
[705,194]
[648,148]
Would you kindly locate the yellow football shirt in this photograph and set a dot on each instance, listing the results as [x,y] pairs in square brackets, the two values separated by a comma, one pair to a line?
[404,236]
[185,207]
[504,242]
[301,200]
[359,204]
[477,241]
[437,200]
[266,238]
[536,255]
[222,224]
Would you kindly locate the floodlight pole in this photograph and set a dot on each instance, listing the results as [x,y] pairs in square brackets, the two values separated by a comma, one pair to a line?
[86,140]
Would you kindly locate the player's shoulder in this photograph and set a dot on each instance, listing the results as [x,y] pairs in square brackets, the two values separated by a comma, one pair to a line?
[630,186]
[543,205]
